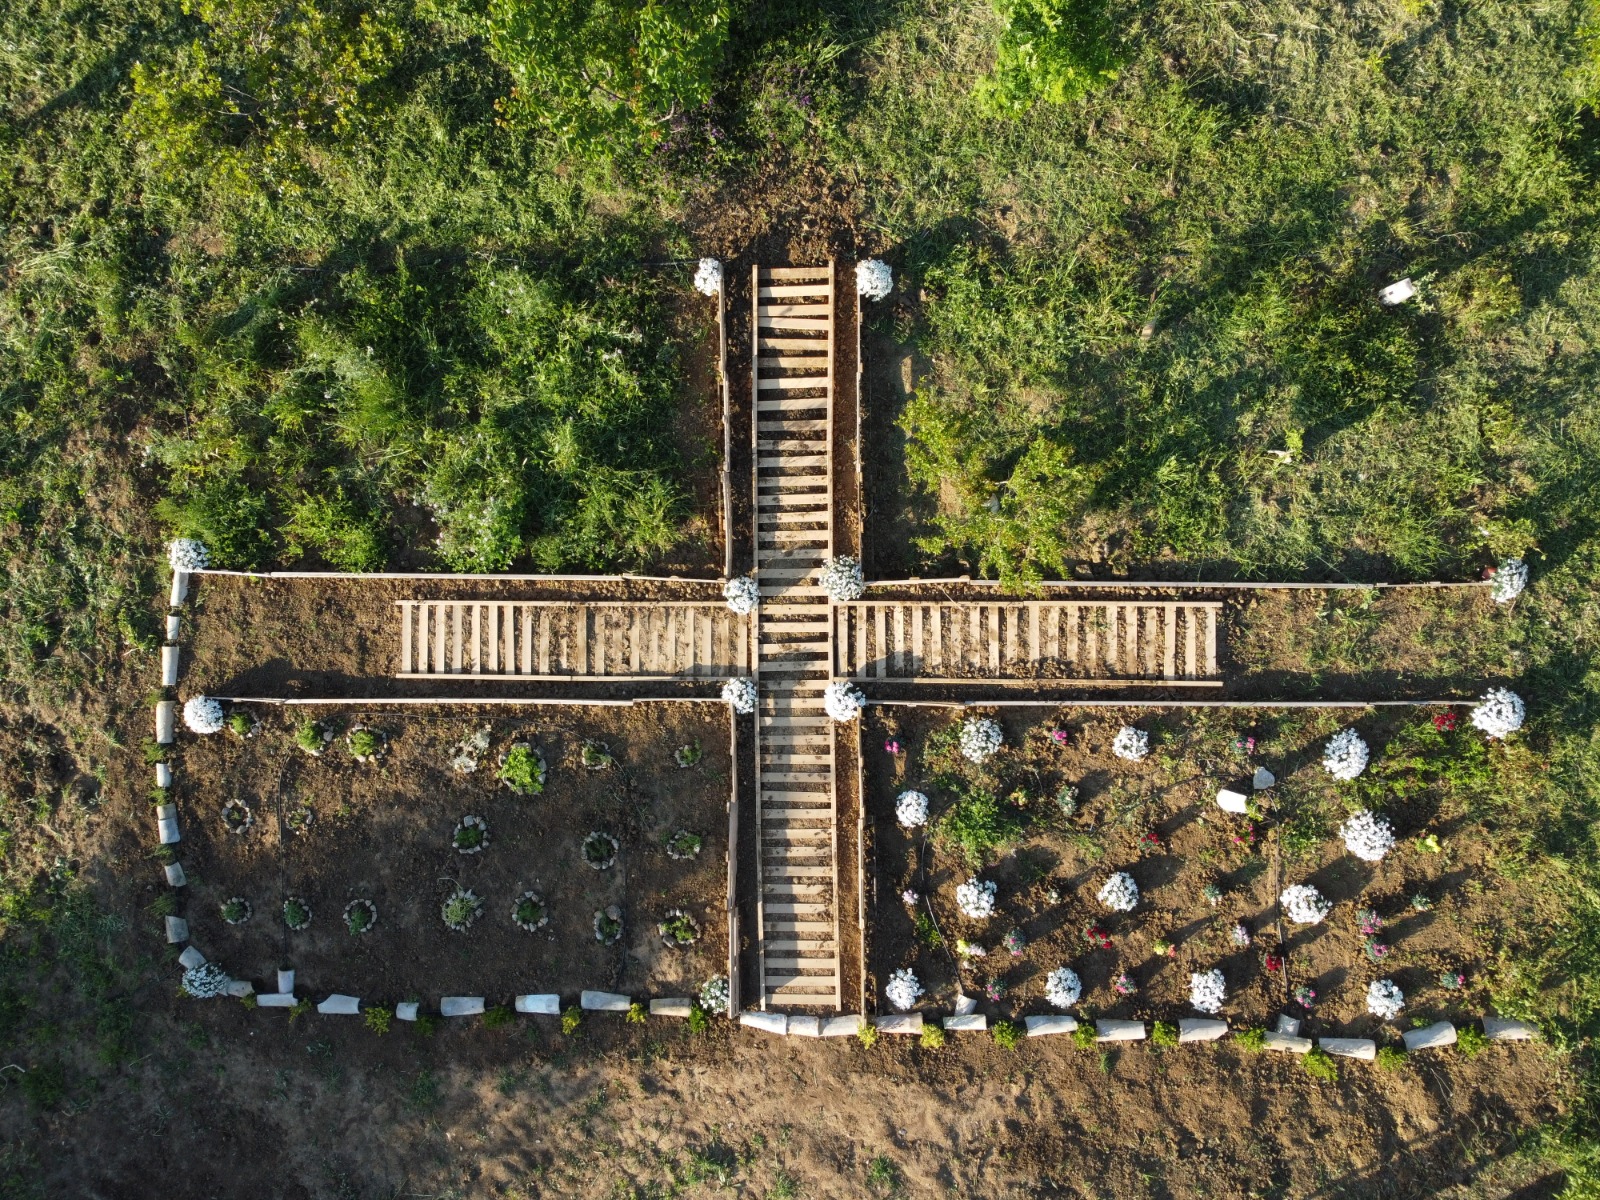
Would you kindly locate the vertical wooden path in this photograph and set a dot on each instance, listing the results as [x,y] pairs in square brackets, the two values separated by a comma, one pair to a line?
[796,792]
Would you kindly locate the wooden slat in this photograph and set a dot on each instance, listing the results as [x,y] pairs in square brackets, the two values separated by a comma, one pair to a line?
[820,324]
[455,634]
[916,638]
[880,659]
[794,273]
[407,610]
[1169,630]
[822,287]
[1211,640]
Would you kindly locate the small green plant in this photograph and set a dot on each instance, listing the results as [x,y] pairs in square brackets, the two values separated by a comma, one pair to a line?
[1083,1037]
[595,756]
[1391,1058]
[426,1024]
[683,845]
[364,743]
[1319,1065]
[377,1018]
[699,1020]
[499,1016]
[296,913]
[165,905]
[160,796]
[1164,1034]
[638,1014]
[927,931]
[1471,1041]
[360,916]
[572,1021]
[308,736]
[461,909]
[524,770]
[690,755]
[467,837]
[882,1176]
[933,1036]
[867,1035]
[236,911]
[1252,1039]
[1007,1035]
[298,1009]
[249,1000]
[154,752]
[978,824]
[241,723]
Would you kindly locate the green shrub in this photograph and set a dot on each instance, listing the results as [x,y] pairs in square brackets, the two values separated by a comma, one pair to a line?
[1471,1040]
[1007,1035]
[932,1036]
[498,1016]
[523,770]
[638,1014]
[377,1018]
[927,931]
[690,755]
[699,1020]
[308,736]
[571,1020]
[1052,50]
[978,824]
[1319,1065]
[364,743]
[295,914]
[1251,1039]
[1391,1058]
[426,1024]
[1083,1037]
[1164,1034]
[868,1034]
[241,723]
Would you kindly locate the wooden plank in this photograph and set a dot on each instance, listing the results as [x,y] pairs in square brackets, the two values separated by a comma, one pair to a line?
[1211,640]
[901,665]
[1169,629]
[994,639]
[1033,633]
[406,609]
[581,621]
[527,638]
[821,307]
[455,632]
[544,616]
[796,362]
[1009,643]
[916,638]
[1072,614]
[793,383]
[774,341]
[936,650]
[1130,633]
[880,657]
[794,273]
[707,620]
[794,289]
[1052,639]
[820,324]
[494,638]
[972,649]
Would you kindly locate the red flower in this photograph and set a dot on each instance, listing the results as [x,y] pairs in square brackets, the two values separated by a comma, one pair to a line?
[1445,722]
[1151,839]
[1272,962]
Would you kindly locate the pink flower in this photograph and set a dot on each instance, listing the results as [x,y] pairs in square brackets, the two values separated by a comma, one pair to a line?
[1059,736]
[891,746]
[1123,985]
[910,897]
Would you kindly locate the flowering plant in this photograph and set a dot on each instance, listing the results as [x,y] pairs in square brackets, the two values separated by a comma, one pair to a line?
[1272,963]
[1059,736]
[202,714]
[1014,943]
[187,554]
[1501,714]
[742,593]
[892,747]
[1377,951]
[740,695]
[1245,745]
[1445,722]
[469,751]
[1123,985]
[1152,839]
[1245,836]
[708,277]
[1130,743]
[1384,999]
[911,809]
[980,738]
[1097,938]
[1162,948]
[841,578]
[1452,980]
[903,989]
[994,990]
[1509,580]
[1368,836]
[874,279]
[1303,904]
[1368,921]
[910,898]
[968,950]
[714,994]
[1346,755]
[205,982]
[1207,991]
[1305,995]
[975,898]
[1240,934]
[843,700]
[1119,893]
[1062,987]
[1212,894]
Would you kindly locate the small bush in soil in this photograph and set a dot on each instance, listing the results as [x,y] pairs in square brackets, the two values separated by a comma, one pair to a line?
[360,916]
[933,1036]
[1008,1035]
[637,1013]
[242,724]
[461,909]
[978,824]
[1471,1041]
[1319,1065]
[1164,1034]
[596,756]
[927,932]
[683,845]
[600,850]
[867,1035]
[377,1019]
[1083,1036]
[679,929]
[466,754]
[471,835]
[237,817]
[364,743]
[309,737]
[529,913]
[608,926]
[497,1017]
[300,818]
[154,752]
[236,910]
[1252,1039]
[572,1021]
[690,755]
[296,913]
[426,1025]
[524,770]
[699,1021]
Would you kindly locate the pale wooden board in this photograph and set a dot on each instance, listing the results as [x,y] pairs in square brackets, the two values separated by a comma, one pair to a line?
[787,273]
[793,289]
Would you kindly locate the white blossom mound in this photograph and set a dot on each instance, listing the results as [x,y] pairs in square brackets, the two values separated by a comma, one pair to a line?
[902,989]
[1207,991]
[975,898]
[1346,755]
[1120,893]
[911,809]
[202,714]
[708,277]
[714,995]
[843,700]
[1062,987]
[1501,714]
[1304,904]
[1510,580]
[874,279]
[187,554]
[1368,836]
[740,694]
[205,982]
[842,579]
[1384,999]
[980,737]
[742,594]
[1130,743]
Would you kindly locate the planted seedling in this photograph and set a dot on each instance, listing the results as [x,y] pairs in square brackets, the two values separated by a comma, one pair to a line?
[296,913]
[523,769]
[360,916]
[683,845]
[471,835]
[600,850]
[365,744]
[236,910]
[460,909]
[236,815]
[608,926]
[596,756]
[529,912]
[312,737]
[242,724]
[679,929]
[690,755]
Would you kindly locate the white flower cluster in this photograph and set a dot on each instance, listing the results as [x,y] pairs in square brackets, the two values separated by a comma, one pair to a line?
[1207,991]
[975,898]
[874,279]
[1368,836]
[708,277]
[1130,743]
[911,809]
[187,554]
[980,738]
[1304,904]
[1120,893]
[714,994]
[1384,999]
[1346,755]
[202,714]
[205,982]
[740,694]
[842,579]
[1501,714]
[742,593]
[843,700]
[1510,580]
[1062,987]
[902,989]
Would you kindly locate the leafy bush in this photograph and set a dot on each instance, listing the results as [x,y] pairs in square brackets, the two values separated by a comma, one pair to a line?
[699,1020]
[308,736]
[1007,1035]
[1471,1041]
[933,1036]
[978,824]
[1319,1065]
[523,770]
[364,743]
[571,1020]
[1053,50]
[497,1016]
[638,1014]
[1251,1039]
[868,1034]
[1164,1034]
[1391,1058]
[377,1018]
[1083,1037]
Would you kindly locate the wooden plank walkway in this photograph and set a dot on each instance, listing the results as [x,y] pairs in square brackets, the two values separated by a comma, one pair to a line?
[796,791]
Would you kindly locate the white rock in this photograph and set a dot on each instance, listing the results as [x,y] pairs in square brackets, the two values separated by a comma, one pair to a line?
[1397,292]
[461,1006]
[173,624]
[167,824]
[604,1002]
[767,1022]
[1289,1025]
[239,988]
[976,1022]
[169,666]
[285,981]
[1263,779]
[671,1006]
[175,875]
[1501,1029]
[966,1005]
[275,1000]
[1232,801]
[338,1005]
[191,958]
[899,1023]
[166,722]
[163,775]
[1362,1048]
[846,1026]
[1045,1026]
[1431,1037]
[545,1004]
[406,1010]
[177,930]
[1200,1029]
[180,589]
[804,1026]
[1119,1031]
[1287,1042]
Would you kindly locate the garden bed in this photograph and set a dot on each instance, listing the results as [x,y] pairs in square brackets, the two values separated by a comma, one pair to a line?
[331,830]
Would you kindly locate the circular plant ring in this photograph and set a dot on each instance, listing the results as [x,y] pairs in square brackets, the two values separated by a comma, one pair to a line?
[608,926]
[236,815]
[296,914]
[600,850]
[530,913]
[236,910]
[360,916]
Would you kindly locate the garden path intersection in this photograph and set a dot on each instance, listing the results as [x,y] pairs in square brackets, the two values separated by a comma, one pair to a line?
[798,880]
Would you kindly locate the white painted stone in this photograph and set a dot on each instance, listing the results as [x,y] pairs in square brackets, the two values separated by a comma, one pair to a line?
[191,958]
[180,589]
[169,666]
[1231,801]
[1289,1025]
[275,1000]
[1501,1029]
[167,824]
[406,1010]
[1045,1026]
[1199,1029]
[1263,779]
[166,722]
[177,931]
[1362,1048]
[175,875]
[899,1023]
[966,1005]
[340,1006]
[1440,1033]
[767,1022]
[1119,1031]
[802,1026]
[240,987]
[966,1022]
[1287,1043]
[461,1006]
[671,1006]
[1397,292]
[604,1002]
[544,1004]
[846,1026]
[173,621]
[163,775]
[285,981]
